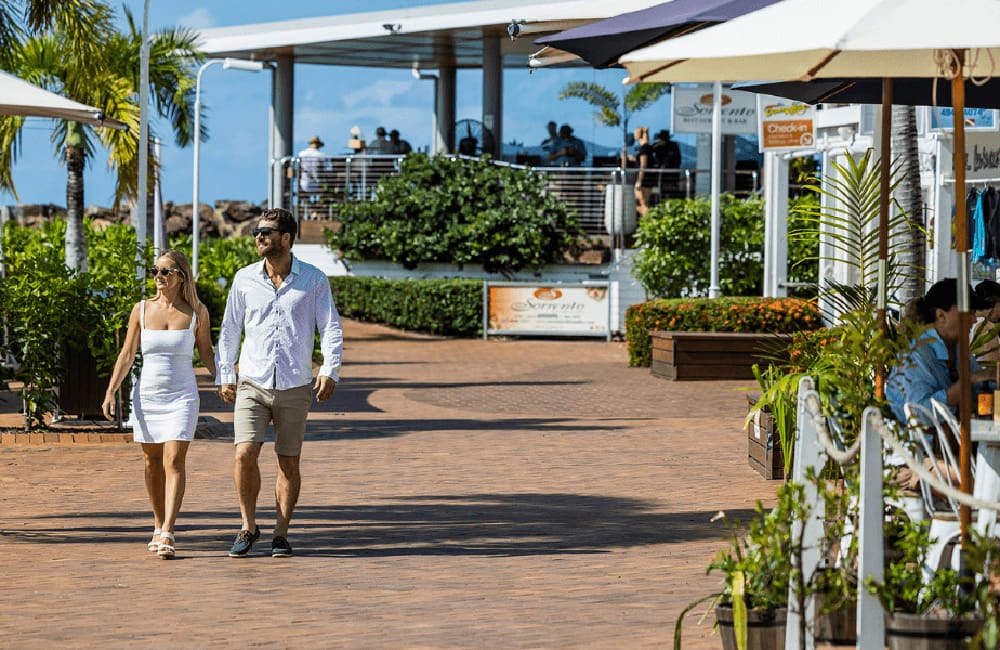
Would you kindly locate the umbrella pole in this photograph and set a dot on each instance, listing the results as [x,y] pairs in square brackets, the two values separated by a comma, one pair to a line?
[965,317]
[885,170]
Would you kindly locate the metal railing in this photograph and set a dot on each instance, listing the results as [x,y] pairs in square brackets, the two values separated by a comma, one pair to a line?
[602,198]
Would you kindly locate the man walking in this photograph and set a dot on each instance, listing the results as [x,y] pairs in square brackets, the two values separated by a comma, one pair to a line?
[278,303]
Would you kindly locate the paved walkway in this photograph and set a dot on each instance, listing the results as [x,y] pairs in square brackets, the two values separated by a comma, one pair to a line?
[457,494]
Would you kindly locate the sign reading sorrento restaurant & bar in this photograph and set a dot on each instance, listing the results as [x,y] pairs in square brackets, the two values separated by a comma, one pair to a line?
[548,310]
[691,111]
[785,125]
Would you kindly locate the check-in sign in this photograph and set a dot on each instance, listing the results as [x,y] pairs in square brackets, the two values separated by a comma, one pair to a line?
[787,126]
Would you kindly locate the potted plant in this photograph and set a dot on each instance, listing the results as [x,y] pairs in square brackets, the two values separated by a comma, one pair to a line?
[938,615]
[757,570]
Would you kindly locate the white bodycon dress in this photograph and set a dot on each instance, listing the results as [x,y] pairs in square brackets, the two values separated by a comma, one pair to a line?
[165,399]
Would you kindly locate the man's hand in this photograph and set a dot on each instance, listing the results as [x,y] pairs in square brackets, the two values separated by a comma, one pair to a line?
[227,392]
[324,388]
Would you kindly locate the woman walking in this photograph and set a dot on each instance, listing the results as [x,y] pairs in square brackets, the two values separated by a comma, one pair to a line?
[165,399]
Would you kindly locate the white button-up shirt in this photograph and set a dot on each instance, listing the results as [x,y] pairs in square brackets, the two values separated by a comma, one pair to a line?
[279,325]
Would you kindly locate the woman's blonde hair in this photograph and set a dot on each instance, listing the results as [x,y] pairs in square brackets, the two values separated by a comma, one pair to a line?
[642,132]
[188,290]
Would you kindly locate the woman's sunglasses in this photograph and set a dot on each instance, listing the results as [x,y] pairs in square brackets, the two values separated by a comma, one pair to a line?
[164,272]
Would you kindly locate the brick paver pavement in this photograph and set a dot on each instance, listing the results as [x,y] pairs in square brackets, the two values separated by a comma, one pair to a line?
[456,494]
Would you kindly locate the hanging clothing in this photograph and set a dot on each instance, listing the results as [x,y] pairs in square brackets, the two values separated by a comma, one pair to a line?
[978,226]
[991,211]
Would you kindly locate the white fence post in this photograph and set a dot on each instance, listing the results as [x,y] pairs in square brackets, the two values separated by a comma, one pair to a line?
[871,624]
[807,454]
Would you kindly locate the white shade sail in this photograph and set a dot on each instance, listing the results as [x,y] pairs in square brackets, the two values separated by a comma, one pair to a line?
[18,97]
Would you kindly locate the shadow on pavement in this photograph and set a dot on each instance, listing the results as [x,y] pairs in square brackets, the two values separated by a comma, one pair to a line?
[470,525]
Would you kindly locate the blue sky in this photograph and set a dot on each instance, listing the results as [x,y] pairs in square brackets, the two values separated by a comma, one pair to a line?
[328,102]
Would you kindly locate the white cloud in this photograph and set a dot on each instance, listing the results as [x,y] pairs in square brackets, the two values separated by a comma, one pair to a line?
[377,95]
[200,18]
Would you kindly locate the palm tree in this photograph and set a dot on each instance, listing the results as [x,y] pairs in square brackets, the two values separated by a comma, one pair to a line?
[615,110]
[109,79]
[19,17]
[908,194]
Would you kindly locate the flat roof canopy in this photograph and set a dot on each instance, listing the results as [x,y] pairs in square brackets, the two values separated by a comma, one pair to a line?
[449,35]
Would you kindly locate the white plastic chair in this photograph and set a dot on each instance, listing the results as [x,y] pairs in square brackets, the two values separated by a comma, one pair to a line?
[945,526]
[948,430]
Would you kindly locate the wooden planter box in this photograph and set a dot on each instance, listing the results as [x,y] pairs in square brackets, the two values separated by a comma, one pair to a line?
[764,446]
[713,355]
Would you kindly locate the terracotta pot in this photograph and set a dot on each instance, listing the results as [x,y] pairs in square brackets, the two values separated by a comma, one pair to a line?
[765,630]
[918,632]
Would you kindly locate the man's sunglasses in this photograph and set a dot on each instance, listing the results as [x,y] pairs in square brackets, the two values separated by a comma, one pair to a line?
[266,231]
[164,272]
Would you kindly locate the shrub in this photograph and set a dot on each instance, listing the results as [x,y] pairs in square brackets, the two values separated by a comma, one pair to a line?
[51,309]
[458,211]
[452,307]
[754,315]
[675,239]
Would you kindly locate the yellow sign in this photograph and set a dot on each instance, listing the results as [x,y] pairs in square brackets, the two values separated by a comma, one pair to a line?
[787,126]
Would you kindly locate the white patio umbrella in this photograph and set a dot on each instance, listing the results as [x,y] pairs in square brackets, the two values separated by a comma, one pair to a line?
[18,97]
[810,39]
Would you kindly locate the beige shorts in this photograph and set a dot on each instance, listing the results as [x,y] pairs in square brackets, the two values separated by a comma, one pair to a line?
[258,407]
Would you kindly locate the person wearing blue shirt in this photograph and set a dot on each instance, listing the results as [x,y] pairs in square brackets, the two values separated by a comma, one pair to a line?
[930,368]
[280,303]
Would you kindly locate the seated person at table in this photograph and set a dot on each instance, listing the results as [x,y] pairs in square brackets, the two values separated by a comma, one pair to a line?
[929,369]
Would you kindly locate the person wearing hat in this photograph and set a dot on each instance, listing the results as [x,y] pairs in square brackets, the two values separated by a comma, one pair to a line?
[929,369]
[314,169]
[379,145]
[568,151]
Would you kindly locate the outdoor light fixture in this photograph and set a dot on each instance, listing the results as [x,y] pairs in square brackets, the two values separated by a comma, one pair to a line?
[392,28]
[227,64]
[514,29]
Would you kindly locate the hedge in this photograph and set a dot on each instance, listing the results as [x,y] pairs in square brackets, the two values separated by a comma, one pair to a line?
[753,315]
[450,307]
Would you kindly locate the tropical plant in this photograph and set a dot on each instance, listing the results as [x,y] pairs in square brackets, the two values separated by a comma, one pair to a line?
[459,211]
[849,223]
[903,588]
[52,311]
[761,564]
[674,238]
[909,194]
[84,58]
[612,109]
[21,17]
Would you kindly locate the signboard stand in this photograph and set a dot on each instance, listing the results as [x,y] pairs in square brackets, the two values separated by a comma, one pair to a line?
[532,309]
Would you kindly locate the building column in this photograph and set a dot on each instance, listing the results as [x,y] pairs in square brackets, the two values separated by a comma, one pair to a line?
[282,109]
[444,107]
[775,225]
[493,95]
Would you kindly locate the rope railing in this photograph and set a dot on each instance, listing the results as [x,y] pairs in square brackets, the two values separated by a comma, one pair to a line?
[879,425]
[814,409]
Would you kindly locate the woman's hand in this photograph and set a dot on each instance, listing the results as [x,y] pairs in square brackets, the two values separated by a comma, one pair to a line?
[109,406]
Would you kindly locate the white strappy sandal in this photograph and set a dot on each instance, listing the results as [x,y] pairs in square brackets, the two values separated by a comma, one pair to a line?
[154,544]
[166,547]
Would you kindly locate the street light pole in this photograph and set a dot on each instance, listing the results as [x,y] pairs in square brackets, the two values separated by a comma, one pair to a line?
[436,140]
[227,63]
